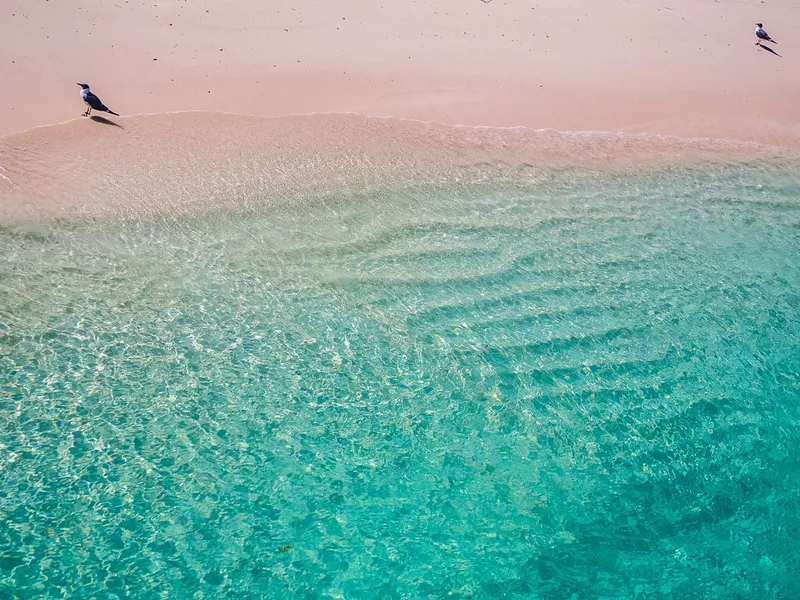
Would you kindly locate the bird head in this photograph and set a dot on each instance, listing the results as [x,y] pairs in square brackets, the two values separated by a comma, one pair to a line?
[84,86]
[759,24]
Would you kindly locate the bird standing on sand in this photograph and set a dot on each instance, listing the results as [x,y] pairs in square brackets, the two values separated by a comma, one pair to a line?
[762,35]
[92,101]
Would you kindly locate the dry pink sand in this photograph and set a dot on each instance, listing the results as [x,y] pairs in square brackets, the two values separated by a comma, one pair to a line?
[685,67]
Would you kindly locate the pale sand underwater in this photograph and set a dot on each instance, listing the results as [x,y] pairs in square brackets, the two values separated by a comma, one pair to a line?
[205,161]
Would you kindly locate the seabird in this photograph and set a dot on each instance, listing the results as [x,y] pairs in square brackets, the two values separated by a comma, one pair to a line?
[762,35]
[92,101]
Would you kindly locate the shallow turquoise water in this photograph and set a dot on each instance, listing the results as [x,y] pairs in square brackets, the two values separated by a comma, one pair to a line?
[582,387]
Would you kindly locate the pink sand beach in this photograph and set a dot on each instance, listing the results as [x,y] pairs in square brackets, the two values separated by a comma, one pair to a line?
[684,68]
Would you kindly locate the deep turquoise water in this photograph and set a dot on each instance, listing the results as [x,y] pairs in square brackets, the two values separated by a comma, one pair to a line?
[582,387]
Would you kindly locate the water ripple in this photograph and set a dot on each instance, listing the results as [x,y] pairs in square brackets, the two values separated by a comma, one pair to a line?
[581,387]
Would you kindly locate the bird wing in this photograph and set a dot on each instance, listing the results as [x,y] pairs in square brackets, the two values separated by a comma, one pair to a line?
[763,34]
[94,102]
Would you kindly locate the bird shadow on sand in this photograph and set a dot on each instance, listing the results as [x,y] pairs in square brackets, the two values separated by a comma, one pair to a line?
[105,121]
[770,50]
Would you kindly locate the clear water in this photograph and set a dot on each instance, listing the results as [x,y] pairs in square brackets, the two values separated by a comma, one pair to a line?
[585,387]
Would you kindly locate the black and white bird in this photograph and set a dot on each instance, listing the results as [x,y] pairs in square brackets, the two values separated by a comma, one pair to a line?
[762,35]
[92,101]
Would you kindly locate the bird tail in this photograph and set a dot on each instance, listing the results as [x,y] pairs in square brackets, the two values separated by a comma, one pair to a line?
[111,112]
[773,41]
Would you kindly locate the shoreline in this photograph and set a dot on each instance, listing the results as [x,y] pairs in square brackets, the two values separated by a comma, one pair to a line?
[642,131]
[762,131]
[751,129]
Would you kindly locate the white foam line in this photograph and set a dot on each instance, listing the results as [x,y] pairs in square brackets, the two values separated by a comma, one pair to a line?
[525,128]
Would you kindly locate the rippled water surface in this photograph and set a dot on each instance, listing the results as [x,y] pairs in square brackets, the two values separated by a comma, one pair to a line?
[582,387]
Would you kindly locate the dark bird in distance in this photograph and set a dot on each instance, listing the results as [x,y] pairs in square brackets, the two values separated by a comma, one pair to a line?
[92,101]
[762,35]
